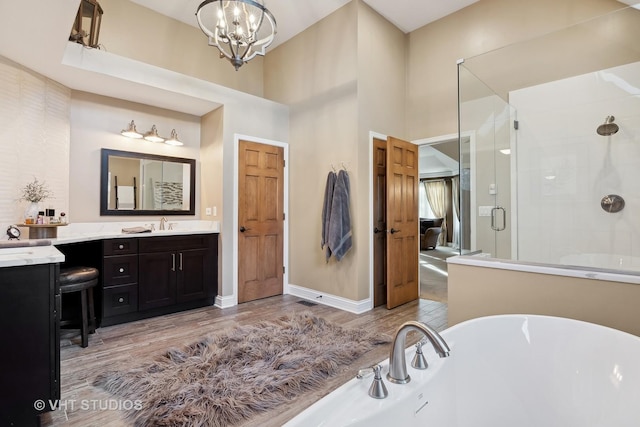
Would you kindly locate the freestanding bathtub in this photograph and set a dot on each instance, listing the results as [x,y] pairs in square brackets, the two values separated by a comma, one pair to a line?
[503,371]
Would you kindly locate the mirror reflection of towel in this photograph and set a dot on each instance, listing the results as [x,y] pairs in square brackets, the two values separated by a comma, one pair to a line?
[126,197]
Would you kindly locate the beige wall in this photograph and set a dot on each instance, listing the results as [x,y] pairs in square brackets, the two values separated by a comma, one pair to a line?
[211,149]
[315,73]
[382,59]
[479,291]
[476,29]
[34,140]
[96,122]
[339,90]
[136,32]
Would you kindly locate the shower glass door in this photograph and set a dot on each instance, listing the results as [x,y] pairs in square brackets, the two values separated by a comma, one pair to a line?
[486,129]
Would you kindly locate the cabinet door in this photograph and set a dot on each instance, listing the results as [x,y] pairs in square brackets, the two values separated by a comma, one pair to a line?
[195,271]
[30,359]
[157,280]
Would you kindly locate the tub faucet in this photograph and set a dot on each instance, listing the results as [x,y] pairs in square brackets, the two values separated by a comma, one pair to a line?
[397,363]
[163,220]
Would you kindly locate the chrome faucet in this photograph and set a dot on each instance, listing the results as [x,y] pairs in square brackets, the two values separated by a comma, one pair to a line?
[163,220]
[397,363]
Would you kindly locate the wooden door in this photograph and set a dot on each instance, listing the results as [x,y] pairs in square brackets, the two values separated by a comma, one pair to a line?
[379,222]
[260,220]
[402,222]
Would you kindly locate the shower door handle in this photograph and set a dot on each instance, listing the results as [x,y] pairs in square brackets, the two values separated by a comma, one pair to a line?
[494,227]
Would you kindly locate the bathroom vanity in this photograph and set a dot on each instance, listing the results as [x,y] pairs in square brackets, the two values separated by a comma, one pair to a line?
[147,274]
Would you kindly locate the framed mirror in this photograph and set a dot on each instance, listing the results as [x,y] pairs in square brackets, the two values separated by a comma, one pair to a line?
[146,184]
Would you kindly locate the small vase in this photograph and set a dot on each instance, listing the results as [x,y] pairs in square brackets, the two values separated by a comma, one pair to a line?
[31,212]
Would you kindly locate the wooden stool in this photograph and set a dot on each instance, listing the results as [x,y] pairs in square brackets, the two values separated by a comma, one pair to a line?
[83,280]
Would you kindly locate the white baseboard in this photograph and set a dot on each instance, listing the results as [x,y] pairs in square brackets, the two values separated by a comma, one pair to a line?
[225,301]
[341,303]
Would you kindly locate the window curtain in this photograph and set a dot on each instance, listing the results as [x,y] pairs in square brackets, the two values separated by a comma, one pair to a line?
[425,209]
[436,197]
[455,193]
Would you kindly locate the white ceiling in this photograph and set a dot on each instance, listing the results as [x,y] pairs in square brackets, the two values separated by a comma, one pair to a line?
[294,16]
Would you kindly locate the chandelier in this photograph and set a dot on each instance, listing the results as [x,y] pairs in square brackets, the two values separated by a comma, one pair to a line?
[240,29]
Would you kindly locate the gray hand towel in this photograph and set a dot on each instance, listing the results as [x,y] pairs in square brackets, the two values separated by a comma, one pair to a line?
[340,221]
[326,213]
[136,230]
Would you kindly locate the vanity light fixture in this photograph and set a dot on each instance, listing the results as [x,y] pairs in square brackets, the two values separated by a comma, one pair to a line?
[131,132]
[173,139]
[153,136]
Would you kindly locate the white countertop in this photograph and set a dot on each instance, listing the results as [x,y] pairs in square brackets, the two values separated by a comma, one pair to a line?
[87,231]
[84,232]
[30,255]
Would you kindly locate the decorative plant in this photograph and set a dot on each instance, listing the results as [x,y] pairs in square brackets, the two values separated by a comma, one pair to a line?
[36,191]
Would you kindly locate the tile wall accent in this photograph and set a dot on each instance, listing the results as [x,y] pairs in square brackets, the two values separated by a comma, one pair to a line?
[34,139]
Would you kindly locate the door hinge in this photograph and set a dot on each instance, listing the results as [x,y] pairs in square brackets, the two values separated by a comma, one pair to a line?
[284,216]
[284,163]
[516,124]
[284,270]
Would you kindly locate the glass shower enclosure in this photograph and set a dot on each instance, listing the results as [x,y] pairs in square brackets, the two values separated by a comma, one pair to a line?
[549,133]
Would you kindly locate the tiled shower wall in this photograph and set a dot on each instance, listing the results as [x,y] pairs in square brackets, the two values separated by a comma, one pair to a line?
[564,169]
[34,139]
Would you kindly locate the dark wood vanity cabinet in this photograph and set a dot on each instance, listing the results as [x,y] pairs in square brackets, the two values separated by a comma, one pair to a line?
[149,276]
[30,359]
[119,277]
[177,270]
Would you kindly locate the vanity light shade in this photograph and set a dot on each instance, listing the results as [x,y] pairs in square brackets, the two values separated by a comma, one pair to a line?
[173,139]
[131,132]
[153,136]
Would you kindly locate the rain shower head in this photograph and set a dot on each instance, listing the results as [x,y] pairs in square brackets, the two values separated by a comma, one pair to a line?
[608,127]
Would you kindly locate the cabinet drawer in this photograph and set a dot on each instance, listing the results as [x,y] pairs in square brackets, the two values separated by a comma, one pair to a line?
[175,243]
[120,246]
[120,300]
[119,270]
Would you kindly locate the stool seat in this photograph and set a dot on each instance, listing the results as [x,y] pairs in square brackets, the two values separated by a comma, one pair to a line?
[77,275]
[83,280]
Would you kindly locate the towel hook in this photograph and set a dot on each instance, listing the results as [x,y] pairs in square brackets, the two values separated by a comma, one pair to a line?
[334,169]
[344,166]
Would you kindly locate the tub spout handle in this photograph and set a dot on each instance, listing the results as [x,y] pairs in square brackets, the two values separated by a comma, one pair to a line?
[419,361]
[377,390]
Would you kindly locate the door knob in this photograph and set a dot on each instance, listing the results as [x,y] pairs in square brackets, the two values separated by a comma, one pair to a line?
[376,230]
[394,231]
[243,229]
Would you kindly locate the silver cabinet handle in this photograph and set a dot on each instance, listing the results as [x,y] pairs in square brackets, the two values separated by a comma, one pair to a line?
[173,262]
[180,261]
[120,246]
[121,270]
[120,299]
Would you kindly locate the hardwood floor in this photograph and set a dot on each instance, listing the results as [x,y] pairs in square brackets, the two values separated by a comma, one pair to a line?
[127,345]
[433,273]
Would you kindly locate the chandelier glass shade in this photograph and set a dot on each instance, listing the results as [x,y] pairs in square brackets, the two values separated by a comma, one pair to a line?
[240,29]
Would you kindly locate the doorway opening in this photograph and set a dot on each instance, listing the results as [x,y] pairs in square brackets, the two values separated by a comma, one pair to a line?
[439,191]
